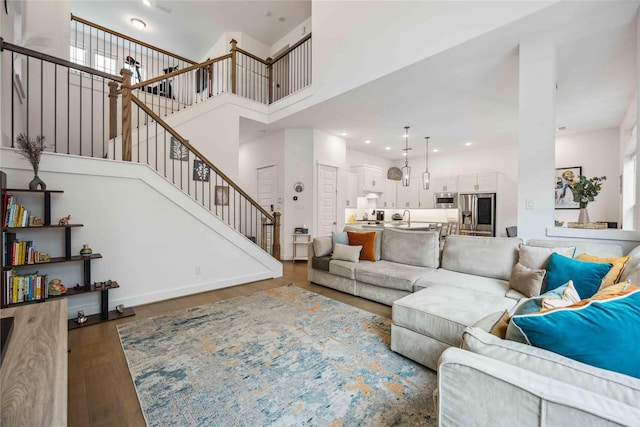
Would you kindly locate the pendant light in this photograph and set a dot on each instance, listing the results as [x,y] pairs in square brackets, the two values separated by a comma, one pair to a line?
[426,176]
[406,170]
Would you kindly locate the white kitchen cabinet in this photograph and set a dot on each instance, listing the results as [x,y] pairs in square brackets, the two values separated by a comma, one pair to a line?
[447,184]
[389,194]
[409,197]
[486,182]
[352,190]
[369,179]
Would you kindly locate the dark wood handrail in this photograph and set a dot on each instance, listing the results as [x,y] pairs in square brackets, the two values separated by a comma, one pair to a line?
[251,55]
[288,51]
[178,72]
[184,142]
[57,61]
[124,36]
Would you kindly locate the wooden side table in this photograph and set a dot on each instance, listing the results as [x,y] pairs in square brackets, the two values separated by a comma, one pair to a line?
[300,243]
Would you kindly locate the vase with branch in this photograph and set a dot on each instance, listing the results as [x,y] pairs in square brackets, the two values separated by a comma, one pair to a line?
[585,191]
[31,149]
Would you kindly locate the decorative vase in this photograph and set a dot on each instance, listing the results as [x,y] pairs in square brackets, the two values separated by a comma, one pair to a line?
[37,182]
[583,218]
[86,250]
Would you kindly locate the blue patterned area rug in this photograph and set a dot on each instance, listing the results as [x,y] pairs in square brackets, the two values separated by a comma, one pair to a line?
[283,357]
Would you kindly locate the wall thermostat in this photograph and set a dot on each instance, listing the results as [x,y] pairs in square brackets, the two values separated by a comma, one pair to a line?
[295,198]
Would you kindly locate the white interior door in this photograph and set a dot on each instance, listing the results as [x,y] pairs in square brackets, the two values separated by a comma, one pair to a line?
[327,199]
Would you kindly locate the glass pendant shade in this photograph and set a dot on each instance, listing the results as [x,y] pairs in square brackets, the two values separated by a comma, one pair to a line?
[406,170]
[426,176]
[406,176]
[426,180]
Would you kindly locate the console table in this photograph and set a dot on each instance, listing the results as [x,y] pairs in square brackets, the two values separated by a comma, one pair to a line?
[33,376]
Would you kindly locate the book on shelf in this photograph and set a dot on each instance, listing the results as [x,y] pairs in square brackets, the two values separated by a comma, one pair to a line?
[15,215]
[24,287]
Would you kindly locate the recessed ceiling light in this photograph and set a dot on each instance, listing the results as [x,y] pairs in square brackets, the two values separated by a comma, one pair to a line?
[343,134]
[435,150]
[387,148]
[404,154]
[281,19]
[368,141]
[468,143]
[146,2]
[138,23]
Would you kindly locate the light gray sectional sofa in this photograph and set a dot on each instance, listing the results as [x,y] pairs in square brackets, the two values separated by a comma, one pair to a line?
[403,257]
[441,320]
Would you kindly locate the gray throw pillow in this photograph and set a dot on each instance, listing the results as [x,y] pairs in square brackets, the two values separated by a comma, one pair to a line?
[527,281]
[340,237]
[346,252]
[322,245]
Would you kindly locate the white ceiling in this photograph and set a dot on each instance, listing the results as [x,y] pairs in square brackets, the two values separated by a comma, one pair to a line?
[468,93]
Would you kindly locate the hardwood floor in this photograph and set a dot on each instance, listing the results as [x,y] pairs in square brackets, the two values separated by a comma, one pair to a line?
[101,391]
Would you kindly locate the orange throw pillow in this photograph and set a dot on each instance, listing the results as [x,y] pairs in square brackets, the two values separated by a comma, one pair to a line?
[614,273]
[366,240]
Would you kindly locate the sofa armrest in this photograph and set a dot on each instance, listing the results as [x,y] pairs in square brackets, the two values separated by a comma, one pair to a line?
[477,390]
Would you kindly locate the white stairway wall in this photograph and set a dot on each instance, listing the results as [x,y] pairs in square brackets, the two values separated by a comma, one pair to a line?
[155,241]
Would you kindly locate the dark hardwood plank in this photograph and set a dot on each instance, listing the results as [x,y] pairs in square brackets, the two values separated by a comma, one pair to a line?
[101,392]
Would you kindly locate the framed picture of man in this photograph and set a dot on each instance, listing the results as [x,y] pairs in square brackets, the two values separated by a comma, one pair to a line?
[565,178]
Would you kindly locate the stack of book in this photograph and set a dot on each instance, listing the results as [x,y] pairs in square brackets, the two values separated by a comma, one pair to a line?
[24,288]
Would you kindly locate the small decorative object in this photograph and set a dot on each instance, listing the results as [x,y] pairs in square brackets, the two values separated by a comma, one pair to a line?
[298,187]
[86,250]
[559,223]
[31,149]
[178,150]
[35,221]
[64,220]
[120,308]
[584,191]
[222,195]
[56,287]
[81,317]
[394,174]
[201,171]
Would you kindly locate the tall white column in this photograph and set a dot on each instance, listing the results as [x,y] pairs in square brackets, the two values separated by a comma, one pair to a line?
[536,144]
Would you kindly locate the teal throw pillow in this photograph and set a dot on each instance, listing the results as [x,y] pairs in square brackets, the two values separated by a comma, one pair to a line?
[340,237]
[534,304]
[602,333]
[586,276]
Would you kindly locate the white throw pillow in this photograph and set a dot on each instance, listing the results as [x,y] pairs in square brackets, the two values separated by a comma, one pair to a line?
[536,257]
[346,252]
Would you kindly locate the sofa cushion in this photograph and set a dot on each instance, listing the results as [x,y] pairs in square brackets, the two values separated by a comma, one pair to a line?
[454,279]
[631,270]
[586,276]
[321,262]
[527,281]
[601,333]
[346,252]
[366,240]
[343,268]
[599,249]
[339,237]
[322,245]
[419,248]
[442,312]
[617,264]
[537,256]
[377,243]
[617,386]
[481,256]
[389,274]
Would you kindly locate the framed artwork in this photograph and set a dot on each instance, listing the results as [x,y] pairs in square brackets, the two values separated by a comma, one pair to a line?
[565,178]
[201,171]
[222,195]
[178,151]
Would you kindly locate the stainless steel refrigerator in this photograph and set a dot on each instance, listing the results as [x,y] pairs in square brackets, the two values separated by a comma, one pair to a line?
[477,214]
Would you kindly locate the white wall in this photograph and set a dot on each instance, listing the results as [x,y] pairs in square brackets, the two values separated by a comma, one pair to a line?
[292,38]
[597,153]
[355,42]
[46,27]
[151,235]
